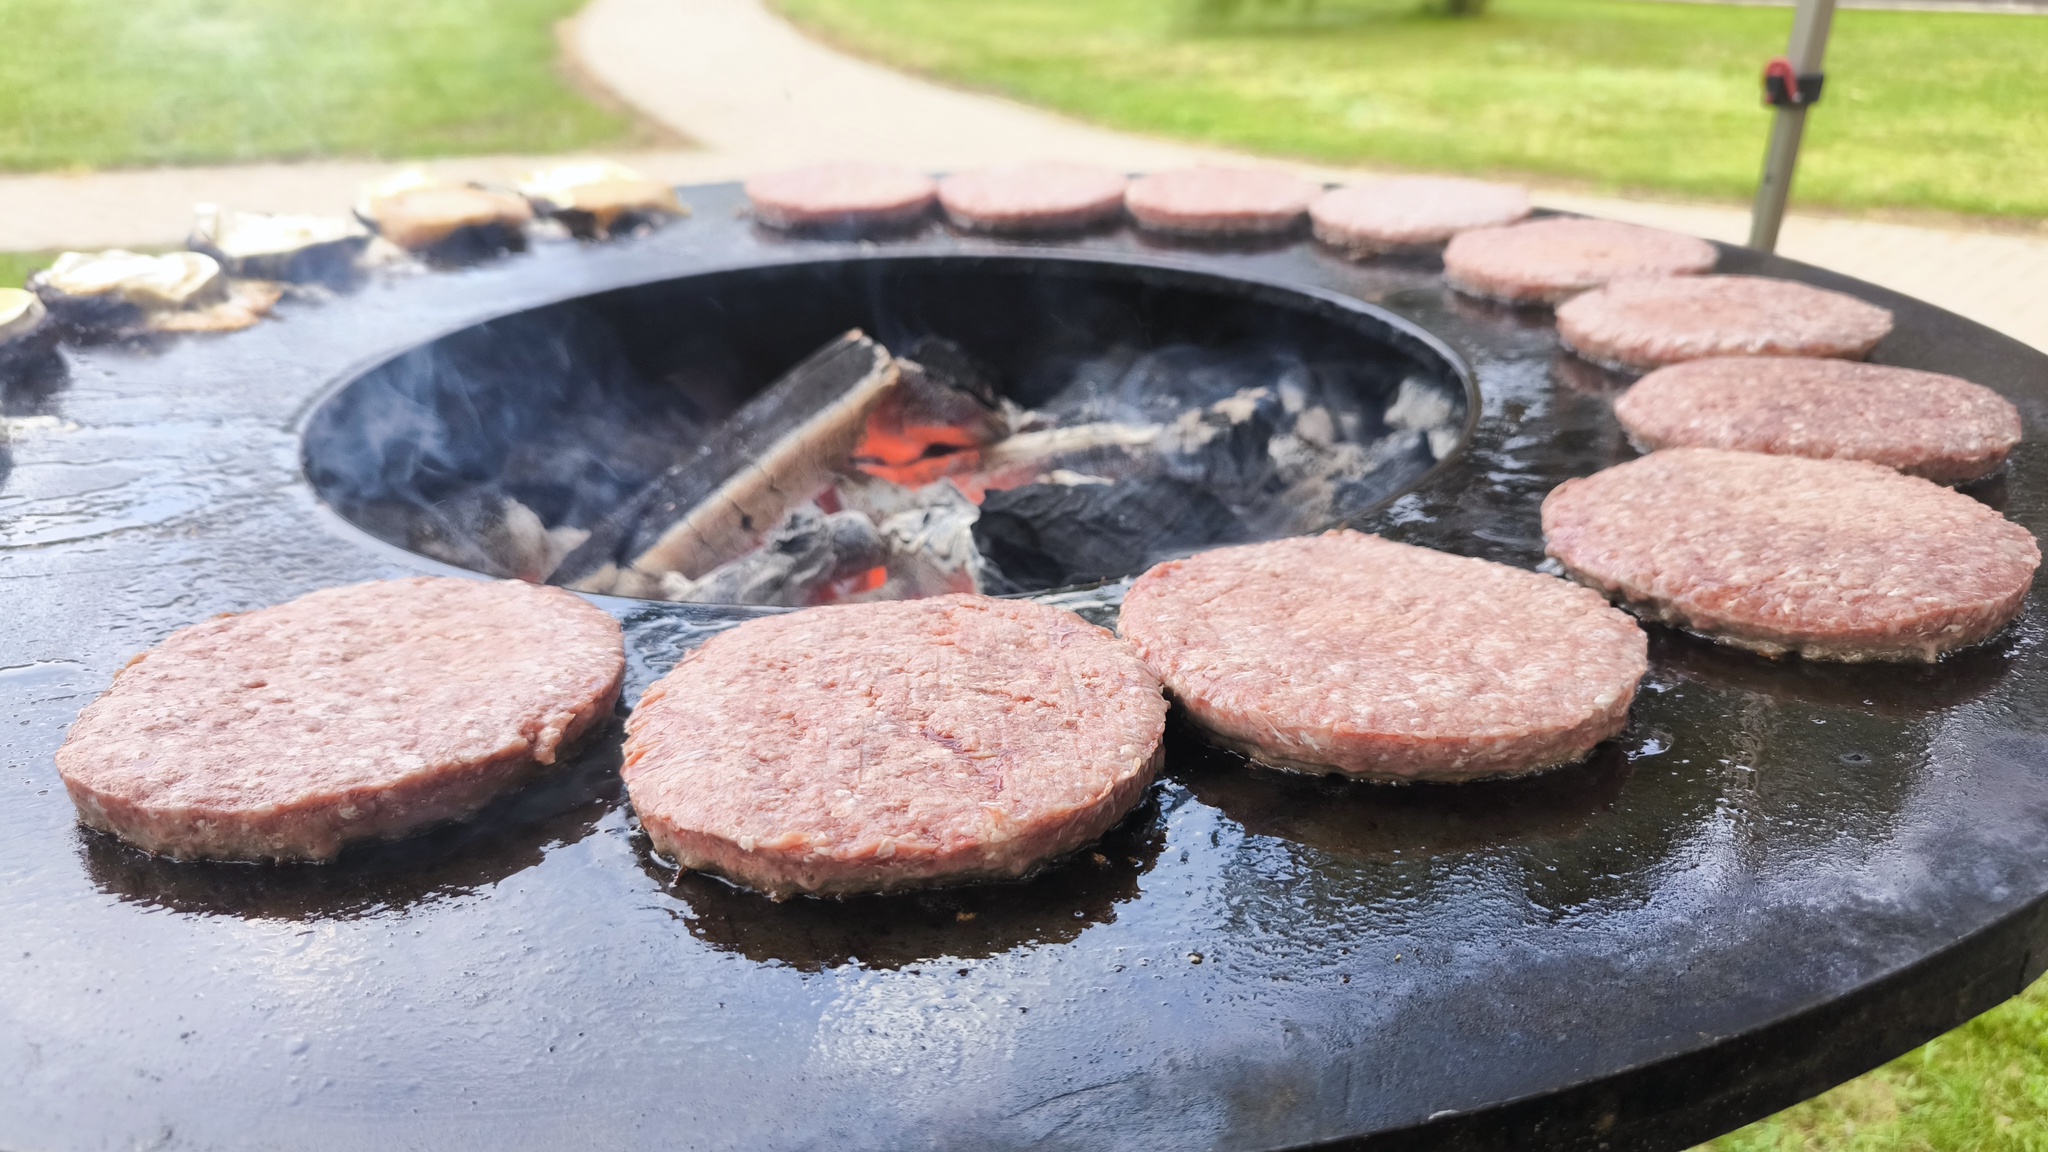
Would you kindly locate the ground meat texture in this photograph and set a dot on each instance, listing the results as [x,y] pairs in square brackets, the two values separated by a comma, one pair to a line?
[847,195]
[871,747]
[1552,260]
[1636,325]
[1351,654]
[1033,197]
[1218,202]
[1943,428]
[357,713]
[1832,559]
[1408,211]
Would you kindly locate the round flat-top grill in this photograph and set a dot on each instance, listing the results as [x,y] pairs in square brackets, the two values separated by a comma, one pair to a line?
[1782,874]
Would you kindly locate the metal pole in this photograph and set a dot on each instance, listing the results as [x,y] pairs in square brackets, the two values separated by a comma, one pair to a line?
[1811,21]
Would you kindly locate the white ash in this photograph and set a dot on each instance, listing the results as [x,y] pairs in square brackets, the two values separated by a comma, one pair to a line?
[1421,407]
[808,551]
[495,535]
[1316,426]
[931,548]
[1225,444]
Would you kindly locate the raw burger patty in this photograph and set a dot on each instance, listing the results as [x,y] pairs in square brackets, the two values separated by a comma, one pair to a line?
[1219,201]
[870,747]
[1348,653]
[1833,559]
[1921,423]
[350,714]
[843,195]
[1404,211]
[1552,260]
[1032,197]
[1642,324]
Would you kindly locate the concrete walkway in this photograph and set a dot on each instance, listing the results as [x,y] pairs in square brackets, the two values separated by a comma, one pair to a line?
[152,207]
[755,94]
[734,76]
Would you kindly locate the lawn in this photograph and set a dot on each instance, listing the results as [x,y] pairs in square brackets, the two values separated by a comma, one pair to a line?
[1924,111]
[1981,1088]
[16,267]
[124,83]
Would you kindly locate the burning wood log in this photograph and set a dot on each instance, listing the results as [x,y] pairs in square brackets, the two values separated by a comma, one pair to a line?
[1106,448]
[949,487]
[1045,536]
[809,552]
[935,422]
[774,454]
[1051,443]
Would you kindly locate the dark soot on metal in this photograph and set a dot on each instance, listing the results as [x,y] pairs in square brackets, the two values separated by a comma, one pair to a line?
[1778,876]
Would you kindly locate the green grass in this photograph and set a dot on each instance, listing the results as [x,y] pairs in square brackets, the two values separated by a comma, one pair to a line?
[123,83]
[16,267]
[1924,111]
[1981,1088]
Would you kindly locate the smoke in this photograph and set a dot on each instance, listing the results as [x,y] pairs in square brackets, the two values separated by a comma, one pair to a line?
[543,409]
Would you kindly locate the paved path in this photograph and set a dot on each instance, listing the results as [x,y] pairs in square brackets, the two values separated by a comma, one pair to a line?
[756,94]
[730,74]
[153,207]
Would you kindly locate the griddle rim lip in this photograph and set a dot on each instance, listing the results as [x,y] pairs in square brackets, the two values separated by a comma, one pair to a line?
[1498,1125]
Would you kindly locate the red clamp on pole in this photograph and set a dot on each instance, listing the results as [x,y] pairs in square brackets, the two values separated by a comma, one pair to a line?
[1785,88]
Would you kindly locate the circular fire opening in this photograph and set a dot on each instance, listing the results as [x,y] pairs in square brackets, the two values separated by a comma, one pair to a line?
[879,427]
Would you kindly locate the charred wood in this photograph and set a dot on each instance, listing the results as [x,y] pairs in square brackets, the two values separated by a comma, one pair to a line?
[926,428]
[1224,446]
[1054,443]
[1052,535]
[807,552]
[776,452]
[953,367]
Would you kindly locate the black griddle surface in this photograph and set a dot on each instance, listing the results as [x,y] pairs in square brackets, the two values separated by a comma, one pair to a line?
[1780,876]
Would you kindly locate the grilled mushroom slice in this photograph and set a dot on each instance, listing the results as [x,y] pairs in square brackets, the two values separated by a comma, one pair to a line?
[25,328]
[117,289]
[595,198]
[267,247]
[442,222]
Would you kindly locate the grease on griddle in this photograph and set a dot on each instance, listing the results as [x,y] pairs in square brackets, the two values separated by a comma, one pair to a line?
[1880,688]
[902,929]
[1363,819]
[1588,378]
[508,836]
